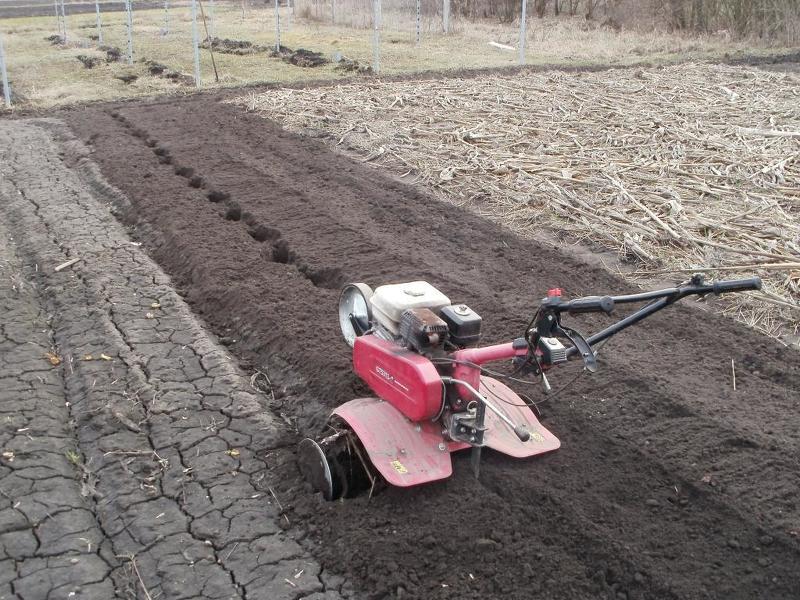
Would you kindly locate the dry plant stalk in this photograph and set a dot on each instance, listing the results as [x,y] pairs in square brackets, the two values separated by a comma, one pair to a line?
[689,167]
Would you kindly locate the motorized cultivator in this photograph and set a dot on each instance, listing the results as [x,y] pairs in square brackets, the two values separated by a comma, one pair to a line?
[419,354]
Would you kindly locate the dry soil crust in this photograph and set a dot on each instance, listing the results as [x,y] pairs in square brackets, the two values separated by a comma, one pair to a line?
[135,455]
[669,484]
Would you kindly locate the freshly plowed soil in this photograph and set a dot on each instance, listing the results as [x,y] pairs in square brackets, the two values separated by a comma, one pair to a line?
[669,483]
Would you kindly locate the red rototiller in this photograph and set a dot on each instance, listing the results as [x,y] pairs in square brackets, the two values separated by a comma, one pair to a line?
[419,354]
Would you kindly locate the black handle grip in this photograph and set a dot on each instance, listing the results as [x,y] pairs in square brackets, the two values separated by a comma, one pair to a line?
[590,304]
[736,285]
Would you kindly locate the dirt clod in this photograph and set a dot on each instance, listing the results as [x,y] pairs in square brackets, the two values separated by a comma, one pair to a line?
[300,57]
[238,47]
[349,65]
[88,61]
[113,54]
[127,79]
[157,69]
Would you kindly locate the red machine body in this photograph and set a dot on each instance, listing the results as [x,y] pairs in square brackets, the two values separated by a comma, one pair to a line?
[398,428]
[420,356]
[406,380]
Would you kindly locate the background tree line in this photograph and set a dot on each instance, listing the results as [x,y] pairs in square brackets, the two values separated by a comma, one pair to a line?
[775,20]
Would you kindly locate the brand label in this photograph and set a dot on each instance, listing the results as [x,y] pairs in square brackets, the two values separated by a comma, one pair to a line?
[389,377]
[385,374]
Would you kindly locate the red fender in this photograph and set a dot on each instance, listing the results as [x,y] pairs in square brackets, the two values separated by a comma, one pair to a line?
[500,437]
[404,453]
[408,453]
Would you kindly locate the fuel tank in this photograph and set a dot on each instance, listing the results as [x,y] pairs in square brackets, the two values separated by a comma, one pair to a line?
[401,377]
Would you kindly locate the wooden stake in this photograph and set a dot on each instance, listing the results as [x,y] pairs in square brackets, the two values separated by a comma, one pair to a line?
[210,42]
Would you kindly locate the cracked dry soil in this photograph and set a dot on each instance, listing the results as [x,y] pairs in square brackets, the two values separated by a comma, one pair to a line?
[669,484]
[134,454]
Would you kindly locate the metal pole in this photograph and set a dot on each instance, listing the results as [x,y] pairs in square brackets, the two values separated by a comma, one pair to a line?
[58,16]
[446,15]
[213,33]
[4,73]
[195,45]
[419,21]
[64,20]
[166,17]
[99,23]
[376,36]
[522,34]
[277,28]
[129,10]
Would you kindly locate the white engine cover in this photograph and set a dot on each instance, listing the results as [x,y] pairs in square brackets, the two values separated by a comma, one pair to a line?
[389,302]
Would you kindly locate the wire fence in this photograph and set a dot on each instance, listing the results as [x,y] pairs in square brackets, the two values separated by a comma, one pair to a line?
[91,26]
[84,48]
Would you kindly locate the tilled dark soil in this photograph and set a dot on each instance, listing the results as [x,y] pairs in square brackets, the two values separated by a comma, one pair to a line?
[669,484]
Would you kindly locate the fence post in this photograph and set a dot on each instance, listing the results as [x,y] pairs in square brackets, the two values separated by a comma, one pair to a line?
[98,22]
[166,17]
[419,22]
[195,45]
[376,36]
[129,11]
[277,28]
[58,16]
[290,6]
[64,20]
[4,74]
[522,34]
[446,15]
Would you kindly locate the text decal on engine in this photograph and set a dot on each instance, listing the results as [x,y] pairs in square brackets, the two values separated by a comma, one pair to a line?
[389,377]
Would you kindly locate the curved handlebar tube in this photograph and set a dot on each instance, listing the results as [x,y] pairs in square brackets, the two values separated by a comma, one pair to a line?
[660,299]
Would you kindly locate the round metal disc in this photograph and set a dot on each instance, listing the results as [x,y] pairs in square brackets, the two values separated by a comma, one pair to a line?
[314,467]
[354,301]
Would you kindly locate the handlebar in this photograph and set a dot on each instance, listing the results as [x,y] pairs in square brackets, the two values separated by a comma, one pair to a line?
[737,285]
[548,322]
[606,304]
[589,304]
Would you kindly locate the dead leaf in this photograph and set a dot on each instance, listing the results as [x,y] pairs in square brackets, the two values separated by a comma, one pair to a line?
[8,455]
[149,316]
[105,357]
[88,357]
[54,359]
[706,478]
[155,305]
[232,452]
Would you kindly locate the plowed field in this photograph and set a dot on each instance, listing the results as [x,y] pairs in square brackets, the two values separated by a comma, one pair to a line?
[669,483]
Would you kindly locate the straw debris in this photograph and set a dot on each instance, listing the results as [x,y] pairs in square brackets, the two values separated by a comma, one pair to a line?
[678,169]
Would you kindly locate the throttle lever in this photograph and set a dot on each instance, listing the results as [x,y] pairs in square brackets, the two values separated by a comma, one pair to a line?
[577,340]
